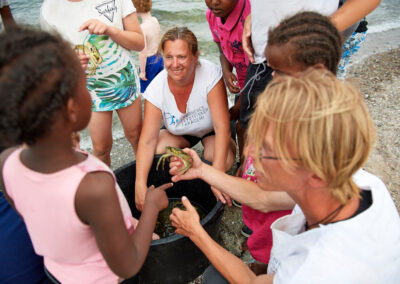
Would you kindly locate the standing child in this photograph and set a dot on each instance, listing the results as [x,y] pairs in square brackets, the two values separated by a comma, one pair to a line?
[151,61]
[105,32]
[304,40]
[226,20]
[75,213]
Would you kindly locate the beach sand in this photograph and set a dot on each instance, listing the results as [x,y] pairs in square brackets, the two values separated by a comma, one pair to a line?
[376,68]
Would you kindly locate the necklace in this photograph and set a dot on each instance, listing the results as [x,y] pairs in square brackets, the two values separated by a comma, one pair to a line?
[327,219]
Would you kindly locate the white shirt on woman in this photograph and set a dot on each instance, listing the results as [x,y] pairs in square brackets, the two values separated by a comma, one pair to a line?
[197,120]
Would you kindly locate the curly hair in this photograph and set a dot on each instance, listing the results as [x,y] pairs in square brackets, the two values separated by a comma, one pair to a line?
[313,37]
[38,73]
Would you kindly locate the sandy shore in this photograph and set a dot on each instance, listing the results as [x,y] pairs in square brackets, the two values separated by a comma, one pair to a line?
[376,69]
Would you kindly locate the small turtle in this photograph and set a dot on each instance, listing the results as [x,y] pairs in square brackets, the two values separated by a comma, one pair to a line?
[176,152]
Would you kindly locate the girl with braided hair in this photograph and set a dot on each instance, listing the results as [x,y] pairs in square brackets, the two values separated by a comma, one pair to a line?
[75,213]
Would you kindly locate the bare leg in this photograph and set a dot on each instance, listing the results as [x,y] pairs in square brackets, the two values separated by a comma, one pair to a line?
[101,135]
[167,139]
[131,120]
[208,144]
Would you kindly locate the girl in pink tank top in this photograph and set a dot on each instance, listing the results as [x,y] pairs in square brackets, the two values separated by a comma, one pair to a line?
[75,213]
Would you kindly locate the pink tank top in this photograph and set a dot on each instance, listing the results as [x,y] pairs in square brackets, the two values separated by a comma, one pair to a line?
[47,204]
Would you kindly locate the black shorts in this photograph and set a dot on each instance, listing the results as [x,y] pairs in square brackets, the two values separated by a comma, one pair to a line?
[193,140]
[257,78]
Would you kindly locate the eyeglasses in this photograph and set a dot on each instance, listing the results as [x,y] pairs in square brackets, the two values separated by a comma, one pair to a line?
[276,158]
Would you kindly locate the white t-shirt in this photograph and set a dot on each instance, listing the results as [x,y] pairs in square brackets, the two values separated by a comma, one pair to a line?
[197,120]
[266,14]
[114,84]
[66,17]
[362,249]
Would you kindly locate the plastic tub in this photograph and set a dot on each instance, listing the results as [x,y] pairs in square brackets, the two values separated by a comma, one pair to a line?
[174,259]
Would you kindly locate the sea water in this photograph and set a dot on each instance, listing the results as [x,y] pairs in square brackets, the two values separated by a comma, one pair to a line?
[191,13]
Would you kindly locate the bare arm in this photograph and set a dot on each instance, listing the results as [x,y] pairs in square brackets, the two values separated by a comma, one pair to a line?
[246,39]
[143,60]
[231,267]
[351,12]
[218,104]
[146,149]
[97,204]
[7,17]
[229,77]
[244,191]
[131,37]
[217,101]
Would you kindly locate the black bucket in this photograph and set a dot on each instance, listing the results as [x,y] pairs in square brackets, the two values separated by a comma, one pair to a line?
[174,259]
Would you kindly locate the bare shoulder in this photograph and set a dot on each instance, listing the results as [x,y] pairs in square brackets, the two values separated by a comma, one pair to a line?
[150,26]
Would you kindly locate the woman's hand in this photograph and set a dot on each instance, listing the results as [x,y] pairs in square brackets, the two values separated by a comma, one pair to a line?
[96,27]
[140,195]
[186,222]
[157,196]
[194,172]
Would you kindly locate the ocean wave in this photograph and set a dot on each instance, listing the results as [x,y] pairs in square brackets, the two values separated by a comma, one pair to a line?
[383,27]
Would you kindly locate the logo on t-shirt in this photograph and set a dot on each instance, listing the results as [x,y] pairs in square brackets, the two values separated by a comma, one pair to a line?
[194,116]
[107,9]
[172,120]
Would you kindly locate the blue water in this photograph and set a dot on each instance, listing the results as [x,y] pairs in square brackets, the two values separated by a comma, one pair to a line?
[191,13]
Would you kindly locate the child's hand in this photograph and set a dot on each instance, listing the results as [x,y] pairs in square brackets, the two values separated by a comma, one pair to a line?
[83,59]
[95,27]
[231,82]
[157,196]
[186,222]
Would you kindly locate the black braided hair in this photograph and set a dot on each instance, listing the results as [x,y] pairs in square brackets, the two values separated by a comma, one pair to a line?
[313,38]
[38,73]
